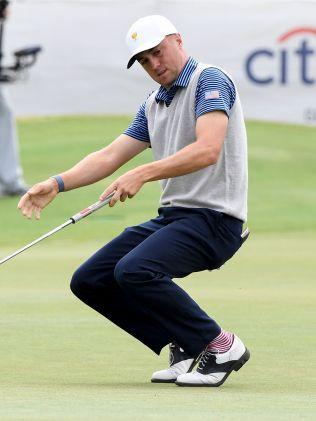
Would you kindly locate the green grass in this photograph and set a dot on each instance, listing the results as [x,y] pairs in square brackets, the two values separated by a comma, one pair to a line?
[61,361]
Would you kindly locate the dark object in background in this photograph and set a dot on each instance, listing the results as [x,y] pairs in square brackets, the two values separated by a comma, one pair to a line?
[3,6]
[24,58]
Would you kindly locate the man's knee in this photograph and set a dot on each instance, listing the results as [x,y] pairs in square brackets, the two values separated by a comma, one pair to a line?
[88,278]
[85,280]
[78,281]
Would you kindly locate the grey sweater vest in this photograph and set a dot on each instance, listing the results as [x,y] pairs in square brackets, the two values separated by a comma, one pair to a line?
[222,186]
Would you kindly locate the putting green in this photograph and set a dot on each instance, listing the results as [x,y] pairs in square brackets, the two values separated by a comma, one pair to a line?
[61,360]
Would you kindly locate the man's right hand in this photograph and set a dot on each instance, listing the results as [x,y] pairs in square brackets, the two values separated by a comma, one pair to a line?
[38,197]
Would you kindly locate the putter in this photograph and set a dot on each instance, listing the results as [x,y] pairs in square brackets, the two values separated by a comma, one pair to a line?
[75,218]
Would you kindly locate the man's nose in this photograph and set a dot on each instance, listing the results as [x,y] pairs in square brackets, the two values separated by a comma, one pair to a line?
[154,63]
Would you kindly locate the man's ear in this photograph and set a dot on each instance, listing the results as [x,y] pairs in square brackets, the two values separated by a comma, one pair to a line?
[178,39]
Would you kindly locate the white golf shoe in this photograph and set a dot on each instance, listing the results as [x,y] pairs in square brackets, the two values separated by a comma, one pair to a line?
[214,368]
[180,363]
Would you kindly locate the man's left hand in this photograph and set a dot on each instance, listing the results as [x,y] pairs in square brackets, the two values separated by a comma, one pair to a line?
[125,186]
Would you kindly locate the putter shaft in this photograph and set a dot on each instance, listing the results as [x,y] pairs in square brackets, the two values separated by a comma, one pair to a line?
[75,218]
[65,224]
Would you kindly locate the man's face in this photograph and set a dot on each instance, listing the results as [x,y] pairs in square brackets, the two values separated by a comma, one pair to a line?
[164,62]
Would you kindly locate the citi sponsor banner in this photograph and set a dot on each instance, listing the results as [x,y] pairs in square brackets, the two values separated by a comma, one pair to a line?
[269,48]
[280,77]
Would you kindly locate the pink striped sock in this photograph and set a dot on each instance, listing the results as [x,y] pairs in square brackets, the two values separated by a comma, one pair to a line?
[222,342]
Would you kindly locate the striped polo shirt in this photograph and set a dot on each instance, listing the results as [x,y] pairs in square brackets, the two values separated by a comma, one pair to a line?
[214,91]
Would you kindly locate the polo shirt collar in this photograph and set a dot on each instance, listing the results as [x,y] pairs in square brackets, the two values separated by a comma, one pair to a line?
[182,81]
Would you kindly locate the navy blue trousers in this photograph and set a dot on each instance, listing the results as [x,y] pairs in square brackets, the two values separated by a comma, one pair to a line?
[129,280]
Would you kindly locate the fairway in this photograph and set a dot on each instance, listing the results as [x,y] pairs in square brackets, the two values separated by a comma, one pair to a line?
[61,360]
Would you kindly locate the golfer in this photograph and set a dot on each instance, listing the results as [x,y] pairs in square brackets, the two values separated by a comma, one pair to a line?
[194,125]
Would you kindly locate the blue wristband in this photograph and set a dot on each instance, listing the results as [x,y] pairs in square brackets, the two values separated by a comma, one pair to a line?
[61,185]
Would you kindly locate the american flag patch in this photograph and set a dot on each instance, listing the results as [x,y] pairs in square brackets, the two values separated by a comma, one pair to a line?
[211,94]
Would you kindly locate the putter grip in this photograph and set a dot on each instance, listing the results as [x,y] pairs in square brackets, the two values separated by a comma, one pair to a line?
[92,208]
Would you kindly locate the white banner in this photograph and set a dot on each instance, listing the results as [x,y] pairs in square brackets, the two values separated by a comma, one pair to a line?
[269,47]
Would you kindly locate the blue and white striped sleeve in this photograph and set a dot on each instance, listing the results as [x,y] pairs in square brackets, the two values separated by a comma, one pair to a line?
[138,129]
[215,91]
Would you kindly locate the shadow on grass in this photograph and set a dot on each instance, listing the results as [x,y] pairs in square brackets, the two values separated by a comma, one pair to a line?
[124,385]
[162,386]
